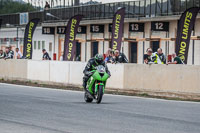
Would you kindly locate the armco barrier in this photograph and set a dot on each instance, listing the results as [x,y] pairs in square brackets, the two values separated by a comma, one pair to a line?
[166,78]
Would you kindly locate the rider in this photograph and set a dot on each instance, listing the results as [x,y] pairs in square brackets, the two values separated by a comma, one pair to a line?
[92,63]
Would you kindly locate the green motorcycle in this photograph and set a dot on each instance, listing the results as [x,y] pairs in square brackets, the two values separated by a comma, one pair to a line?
[96,84]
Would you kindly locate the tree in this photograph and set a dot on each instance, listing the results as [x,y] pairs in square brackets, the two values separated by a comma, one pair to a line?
[9,6]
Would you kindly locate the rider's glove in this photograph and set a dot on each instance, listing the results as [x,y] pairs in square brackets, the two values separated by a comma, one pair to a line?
[89,73]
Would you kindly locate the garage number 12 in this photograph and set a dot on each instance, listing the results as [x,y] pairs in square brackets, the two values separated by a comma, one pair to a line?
[159,26]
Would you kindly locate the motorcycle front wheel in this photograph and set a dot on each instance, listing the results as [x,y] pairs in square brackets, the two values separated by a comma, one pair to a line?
[99,94]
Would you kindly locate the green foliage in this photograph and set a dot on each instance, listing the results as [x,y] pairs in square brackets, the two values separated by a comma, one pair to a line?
[9,6]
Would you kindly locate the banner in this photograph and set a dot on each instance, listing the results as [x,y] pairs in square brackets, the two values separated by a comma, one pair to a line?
[117,29]
[70,36]
[185,26]
[28,37]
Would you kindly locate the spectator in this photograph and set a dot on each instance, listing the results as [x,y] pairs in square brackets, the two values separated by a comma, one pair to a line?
[158,57]
[161,56]
[47,6]
[177,59]
[11,51]
[18,53]
[2,54]
[107,53]
[109,56]
[78,58]
[45,55]
[147,57]
[119,57]
[9,54]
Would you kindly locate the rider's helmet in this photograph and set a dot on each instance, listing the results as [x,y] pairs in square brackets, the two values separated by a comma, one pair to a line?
[99,58]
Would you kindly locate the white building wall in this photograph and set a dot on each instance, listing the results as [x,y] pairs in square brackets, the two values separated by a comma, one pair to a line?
[106,35]
[11,33]
[56,41]
[88,49]
[147,32]
[103,46]
[125,45]
[197,43]
[172,34]
[83,56]
[39,37]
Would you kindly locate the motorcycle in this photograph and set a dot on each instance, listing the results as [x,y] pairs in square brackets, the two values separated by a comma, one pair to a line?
[96,84]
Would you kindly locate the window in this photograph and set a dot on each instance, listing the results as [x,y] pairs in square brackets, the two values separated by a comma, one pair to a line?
[21,40]
[43,44]
[133,52]
[95,48]
[155,45]
[78,51]
[38,45]
[35,45]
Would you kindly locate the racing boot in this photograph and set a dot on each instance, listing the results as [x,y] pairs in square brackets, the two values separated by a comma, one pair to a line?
[84,85]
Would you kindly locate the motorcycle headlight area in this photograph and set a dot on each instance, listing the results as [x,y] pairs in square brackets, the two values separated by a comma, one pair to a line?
[101,69]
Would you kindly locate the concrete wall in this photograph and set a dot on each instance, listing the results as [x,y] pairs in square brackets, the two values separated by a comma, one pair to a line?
[13,69]
[166,78]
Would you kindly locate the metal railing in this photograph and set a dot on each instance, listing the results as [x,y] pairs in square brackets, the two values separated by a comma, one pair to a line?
[134,9]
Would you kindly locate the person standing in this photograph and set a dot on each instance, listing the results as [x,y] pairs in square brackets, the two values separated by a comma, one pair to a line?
[2,54]
[147,57]
[47,6]
[78,58]
[161,56]
[120,57]
[109,58]
[18,53]
[9,54]
[177,59]
[45,55]
[158,57]
[11,51]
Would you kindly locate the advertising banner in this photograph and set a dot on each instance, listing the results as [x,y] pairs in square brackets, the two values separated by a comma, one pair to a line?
[184,30]
[117,29]
[70,38]
[28,38]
